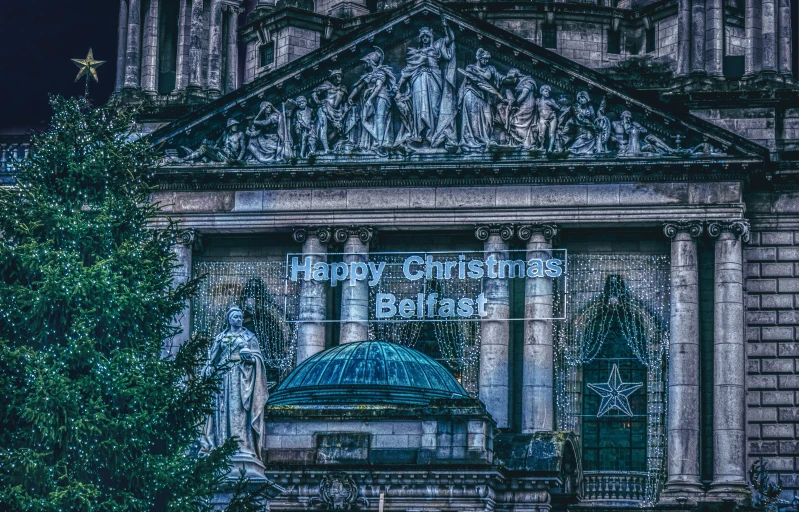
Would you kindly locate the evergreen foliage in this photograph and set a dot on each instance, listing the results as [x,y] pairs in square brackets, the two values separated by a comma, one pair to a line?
[93,418]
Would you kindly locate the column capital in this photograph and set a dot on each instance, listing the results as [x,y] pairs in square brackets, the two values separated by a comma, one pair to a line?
[323,233]
[364,233]
[505,231]
[191,238]
[548,231]
[739,228]
[692,227]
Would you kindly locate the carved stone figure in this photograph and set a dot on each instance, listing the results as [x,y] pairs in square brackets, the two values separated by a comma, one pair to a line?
[549,114]
[374,89]
[520,104]
[303,127]
[475,97]
[430,97]
[332,110]
[269,136]
[628,135]
[228,148]
[239,407]
[591,126]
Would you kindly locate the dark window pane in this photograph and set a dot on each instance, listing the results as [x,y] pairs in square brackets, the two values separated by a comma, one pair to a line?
[650,40]
[549,35]
[266,54]
[614,42]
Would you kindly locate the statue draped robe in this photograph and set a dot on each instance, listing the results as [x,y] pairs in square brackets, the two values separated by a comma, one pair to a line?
[239,407]
[432,94]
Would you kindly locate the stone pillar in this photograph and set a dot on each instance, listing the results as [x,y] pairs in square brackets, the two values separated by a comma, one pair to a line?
[196,48]
[354,297]
[714,42]
[232,49]
[187,241]
[149,66]
[729,363]
[753,52]
[495,327]
[122,44]
[313,295]
[785,64]
[181,73]
[684,37]
[215,49]
[538,364]
[769,30]
[698,36]
[133,52]
[683,383]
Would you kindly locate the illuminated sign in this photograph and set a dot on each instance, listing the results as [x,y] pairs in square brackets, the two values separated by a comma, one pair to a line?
[432,285]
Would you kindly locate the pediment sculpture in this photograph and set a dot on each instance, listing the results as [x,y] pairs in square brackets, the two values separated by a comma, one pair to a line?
[433,104]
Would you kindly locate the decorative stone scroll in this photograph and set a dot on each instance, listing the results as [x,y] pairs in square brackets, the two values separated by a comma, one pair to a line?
[739,228]
[549,231]
[694,228]
[505,231]
[431,104]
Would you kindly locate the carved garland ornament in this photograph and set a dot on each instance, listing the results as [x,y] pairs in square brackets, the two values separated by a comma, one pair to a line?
[338,491]
[431,105]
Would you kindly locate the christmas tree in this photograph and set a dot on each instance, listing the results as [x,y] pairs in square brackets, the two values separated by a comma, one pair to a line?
[93,418]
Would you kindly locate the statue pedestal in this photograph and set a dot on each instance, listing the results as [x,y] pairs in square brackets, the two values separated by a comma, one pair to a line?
[253,468]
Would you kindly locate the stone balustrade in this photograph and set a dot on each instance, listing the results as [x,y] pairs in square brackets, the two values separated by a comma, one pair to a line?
[614,486]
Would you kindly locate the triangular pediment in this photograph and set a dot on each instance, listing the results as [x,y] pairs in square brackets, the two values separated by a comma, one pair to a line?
[384,96]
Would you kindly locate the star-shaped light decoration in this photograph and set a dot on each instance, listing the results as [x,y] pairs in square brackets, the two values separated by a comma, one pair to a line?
[614,393]
[88,67]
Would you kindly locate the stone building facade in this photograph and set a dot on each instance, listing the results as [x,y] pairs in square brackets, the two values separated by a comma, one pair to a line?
[662,158]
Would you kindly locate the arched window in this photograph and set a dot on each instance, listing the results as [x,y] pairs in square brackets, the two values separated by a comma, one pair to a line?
[610,379]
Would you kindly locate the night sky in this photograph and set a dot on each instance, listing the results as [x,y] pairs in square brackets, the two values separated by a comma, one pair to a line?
[37,40]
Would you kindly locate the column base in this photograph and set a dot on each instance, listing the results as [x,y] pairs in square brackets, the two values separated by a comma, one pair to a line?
[681,495]
[253,468]
[730,492]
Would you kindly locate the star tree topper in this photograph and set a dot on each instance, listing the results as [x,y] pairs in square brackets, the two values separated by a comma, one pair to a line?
[614,393]
[88,67]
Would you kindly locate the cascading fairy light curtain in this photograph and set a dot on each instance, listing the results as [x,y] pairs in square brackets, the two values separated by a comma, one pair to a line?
[629,293]
[261,291]
[457,339]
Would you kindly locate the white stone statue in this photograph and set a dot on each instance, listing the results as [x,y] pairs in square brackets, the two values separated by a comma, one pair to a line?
[239,406]
[430,96]
[476,97]
[374,89]
[269,135]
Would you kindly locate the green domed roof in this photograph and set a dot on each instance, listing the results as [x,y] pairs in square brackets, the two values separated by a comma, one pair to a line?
[367,372]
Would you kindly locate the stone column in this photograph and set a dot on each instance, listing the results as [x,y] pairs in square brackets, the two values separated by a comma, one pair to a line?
[538,364]
[495,327]
[149,66]
[133,52]
[181,73]
[683,383]
[313,295]
[714,42]
[729,362]
[196,48]
[122,44]
[354,297]
[698,36]
[232,49]
[215,49]
[753,52]
[684,37]
[785,64]
[187,241]
[769,30]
